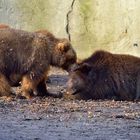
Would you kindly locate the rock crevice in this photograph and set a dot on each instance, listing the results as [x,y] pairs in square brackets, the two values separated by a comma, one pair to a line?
[68,20]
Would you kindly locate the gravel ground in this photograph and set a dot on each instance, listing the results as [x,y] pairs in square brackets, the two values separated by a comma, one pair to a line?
[61,119]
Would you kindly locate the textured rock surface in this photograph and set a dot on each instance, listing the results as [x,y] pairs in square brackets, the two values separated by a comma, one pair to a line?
[90,24]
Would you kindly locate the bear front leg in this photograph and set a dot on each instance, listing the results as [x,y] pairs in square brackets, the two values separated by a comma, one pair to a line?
[42,89]
[29,86]
[33,87]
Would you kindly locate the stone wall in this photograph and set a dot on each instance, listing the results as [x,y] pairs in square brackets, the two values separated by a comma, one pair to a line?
[112,25]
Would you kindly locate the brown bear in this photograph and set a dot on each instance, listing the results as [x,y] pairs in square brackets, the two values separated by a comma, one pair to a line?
[15,78]
[26,57]
[106,76]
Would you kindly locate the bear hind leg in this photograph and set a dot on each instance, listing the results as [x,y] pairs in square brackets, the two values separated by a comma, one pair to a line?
[5,88]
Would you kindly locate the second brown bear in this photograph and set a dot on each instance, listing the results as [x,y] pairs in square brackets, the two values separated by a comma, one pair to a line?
[106,76]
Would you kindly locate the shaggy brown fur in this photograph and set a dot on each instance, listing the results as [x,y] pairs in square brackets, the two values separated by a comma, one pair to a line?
[26,57]
[105,76]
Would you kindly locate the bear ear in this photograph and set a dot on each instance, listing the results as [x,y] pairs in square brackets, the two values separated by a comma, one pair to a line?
[86,67]
[83,67]
[61,47]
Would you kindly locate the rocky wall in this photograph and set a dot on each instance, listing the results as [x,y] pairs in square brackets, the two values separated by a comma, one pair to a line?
[112,25]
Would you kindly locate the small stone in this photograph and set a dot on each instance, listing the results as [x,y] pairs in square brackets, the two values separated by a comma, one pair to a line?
[90,114]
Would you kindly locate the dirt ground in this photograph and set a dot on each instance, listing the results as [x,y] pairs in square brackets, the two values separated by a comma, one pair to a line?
[61,119]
